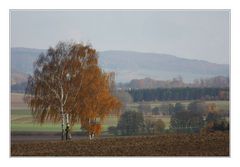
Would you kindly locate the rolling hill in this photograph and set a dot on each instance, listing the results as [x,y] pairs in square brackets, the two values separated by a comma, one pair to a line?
[130,65]
[136,65]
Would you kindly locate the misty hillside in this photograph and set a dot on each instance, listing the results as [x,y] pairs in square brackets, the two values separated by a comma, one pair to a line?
[18,77]
[130,65]
[22,59]
[137,65]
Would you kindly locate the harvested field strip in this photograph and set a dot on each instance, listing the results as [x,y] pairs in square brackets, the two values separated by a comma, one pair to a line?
[216,144]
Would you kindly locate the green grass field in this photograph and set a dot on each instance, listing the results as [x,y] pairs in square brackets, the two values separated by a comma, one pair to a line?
[222,105]
[21,118]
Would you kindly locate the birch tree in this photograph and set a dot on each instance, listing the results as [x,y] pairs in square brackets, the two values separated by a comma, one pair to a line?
[67,82]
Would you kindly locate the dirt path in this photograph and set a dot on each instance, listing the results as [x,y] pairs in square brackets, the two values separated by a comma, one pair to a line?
[25,137]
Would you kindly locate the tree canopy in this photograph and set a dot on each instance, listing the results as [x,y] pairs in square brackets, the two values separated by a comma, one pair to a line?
[188,120]
[131,123]
[67,80]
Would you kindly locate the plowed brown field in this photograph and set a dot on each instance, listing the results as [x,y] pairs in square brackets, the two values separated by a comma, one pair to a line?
[215,144]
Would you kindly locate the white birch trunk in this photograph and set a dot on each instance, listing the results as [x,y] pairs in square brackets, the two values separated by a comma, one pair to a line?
[63,122]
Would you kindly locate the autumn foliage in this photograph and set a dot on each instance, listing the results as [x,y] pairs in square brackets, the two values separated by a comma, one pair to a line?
[68,80]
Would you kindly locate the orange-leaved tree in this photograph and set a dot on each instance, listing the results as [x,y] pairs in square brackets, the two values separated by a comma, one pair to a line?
[69,86]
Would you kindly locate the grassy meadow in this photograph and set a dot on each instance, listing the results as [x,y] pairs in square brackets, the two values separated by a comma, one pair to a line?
[222,105]
[22,121]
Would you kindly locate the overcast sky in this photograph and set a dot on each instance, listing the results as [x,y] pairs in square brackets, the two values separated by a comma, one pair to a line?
[191,34]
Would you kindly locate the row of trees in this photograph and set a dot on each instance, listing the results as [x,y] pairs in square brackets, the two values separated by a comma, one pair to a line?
[166,108]
[163,109]
[163,94]
[133,123]
[196,116]
[148,83]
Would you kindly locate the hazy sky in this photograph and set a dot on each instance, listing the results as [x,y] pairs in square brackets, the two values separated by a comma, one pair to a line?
[191,34]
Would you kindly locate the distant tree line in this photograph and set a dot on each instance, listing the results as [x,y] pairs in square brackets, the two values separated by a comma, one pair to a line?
[19,87]
[148,83]
[165,94]
[196,117]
